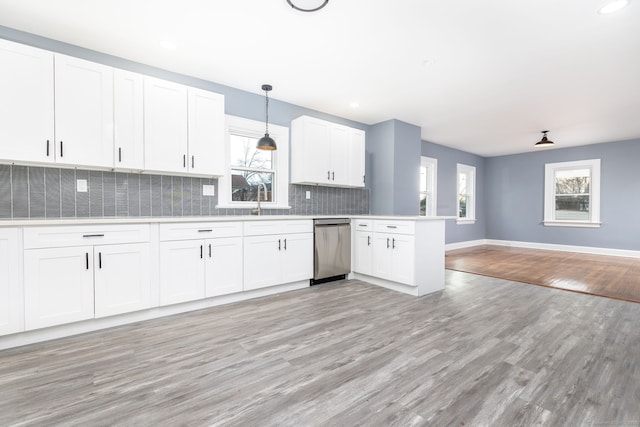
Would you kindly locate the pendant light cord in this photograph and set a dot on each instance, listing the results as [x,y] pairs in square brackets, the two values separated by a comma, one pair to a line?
[267,112]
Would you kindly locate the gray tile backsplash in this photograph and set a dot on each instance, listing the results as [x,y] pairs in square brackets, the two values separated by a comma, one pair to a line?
[40,192]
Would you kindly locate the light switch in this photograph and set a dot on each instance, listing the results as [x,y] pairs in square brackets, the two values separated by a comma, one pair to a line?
[308,195]
[82,186]
[208,190]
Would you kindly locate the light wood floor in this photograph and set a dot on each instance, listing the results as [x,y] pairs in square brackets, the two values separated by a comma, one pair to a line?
[483,352]
[609,276]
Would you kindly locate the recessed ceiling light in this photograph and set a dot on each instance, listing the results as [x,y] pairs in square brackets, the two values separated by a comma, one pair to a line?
[613,6]
[354,105]
[168,44]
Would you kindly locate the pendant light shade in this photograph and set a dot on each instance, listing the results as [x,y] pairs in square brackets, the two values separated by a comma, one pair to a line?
[544,142]
[266,142]
[307,5]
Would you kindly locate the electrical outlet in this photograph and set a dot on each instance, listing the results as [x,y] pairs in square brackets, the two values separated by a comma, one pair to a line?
[308,195]
[81,186]
[208,190]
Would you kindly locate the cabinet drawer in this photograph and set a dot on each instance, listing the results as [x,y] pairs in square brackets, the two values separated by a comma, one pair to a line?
[266,227]
[79,235]
[199,230]
[397,227]
[363,224]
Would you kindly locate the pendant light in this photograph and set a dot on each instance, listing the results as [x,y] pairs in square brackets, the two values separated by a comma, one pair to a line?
[544,142]
[266,142]
[307,5]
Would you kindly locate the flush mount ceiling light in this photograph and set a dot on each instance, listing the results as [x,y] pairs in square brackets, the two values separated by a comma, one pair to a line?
[266,142]
[544,142]
[613,6]
[307,5]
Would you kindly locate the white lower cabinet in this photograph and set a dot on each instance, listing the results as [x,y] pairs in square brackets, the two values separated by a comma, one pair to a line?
[122,279]
[11,289]
[393,257]
[74,273]
[193,267]
[58,286]
[363,256]
[181,271]
[274,257]
[404,255]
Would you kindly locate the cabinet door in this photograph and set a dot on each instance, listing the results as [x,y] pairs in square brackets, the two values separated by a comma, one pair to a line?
[340,137]
[128,120]
[356,163]
[11,305]
[26,103]
[223,266]
[181,271]
[262,261]
[403,259]
[308,163]
[363,262]
[83,112]
[382,255]
[165,126]
[206,132]
[122,278]
[297,257]
[58,286]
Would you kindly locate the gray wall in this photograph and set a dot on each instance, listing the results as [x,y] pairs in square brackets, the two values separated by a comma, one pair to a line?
[515,197]
[448,158]
[38,192]
[379,148]
[406,163]
[393,151]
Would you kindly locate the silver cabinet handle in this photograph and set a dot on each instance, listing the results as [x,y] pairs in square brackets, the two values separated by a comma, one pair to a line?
[100,260]
[201,251]
[61,149]
[393,243]
[184,160]
[391,226]
[120,154]
[387,243]
[93,235]
[47,148]
[368,240]
[209,250]
[329,175]
[193,162]
[279,248]
[285,244]
[333,176]
[87,260]
[205,230]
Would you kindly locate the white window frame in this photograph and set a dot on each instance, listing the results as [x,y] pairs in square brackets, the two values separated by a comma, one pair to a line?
[470,171]
[255,129]
[432,168]
[550,193]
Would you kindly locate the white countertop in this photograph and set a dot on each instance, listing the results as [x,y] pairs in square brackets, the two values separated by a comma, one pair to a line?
[157,220]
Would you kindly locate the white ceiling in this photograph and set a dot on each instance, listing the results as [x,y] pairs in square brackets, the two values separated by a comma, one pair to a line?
[481,76]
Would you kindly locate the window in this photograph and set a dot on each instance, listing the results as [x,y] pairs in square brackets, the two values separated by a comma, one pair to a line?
[572,194]
[249,169]
[428,185]
[466,194]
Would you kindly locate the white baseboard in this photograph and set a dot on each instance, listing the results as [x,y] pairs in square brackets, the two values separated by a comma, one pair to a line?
[546,246]
[467,244]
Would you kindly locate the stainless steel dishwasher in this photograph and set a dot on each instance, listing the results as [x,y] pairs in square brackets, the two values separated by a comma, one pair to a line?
[332,249]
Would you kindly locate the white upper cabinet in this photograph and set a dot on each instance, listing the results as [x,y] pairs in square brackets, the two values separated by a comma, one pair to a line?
[26,103]
[165,126]
[206,132]
[128,120]
[184,129]
[326,153]
[83,112]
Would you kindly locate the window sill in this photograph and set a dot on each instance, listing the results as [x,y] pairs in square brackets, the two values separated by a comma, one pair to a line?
[251,206]
[572,224]
[465,221]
